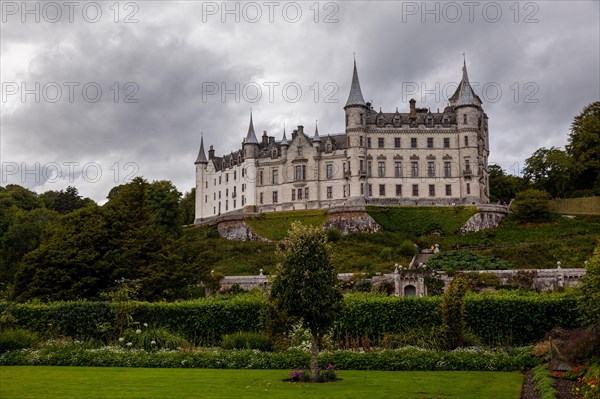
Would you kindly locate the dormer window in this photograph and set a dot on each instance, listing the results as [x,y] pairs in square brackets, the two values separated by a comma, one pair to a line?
[328,146]
[380,120]
[274,153]
[429,121]
[396,120]
[300,152]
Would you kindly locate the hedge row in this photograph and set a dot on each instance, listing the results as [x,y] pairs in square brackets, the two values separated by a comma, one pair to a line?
[390,360]
[495,319]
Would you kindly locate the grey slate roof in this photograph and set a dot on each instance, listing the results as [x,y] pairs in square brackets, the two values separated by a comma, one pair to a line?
[355,97]
[464,94]
[316,136]
[251,136]
[201,154]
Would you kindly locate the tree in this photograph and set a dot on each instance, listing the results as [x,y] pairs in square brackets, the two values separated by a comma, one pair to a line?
[532,206]
[584,148]
[306,286]
[188,206]
[65,201]
[550,169]
[453,312]
[503,187]
[589,299]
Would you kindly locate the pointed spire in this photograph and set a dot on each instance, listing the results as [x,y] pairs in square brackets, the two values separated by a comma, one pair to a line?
[355,97]
[201,155]
[284,139]
[251,136]
[466,95]
[316,137]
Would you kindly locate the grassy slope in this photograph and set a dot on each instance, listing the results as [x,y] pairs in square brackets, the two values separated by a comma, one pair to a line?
[275,226]
[89,382]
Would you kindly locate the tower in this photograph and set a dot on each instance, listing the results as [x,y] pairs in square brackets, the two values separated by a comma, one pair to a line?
[201,164]
[356,131]
[250,142]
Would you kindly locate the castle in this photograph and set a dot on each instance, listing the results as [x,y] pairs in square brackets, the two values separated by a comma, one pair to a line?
[414,158]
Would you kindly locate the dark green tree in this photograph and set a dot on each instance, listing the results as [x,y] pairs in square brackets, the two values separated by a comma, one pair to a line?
[188,206]
[453,312]
[504,187]
[532,206]
[584,149]
[306,286]
[551,170]
[589,298]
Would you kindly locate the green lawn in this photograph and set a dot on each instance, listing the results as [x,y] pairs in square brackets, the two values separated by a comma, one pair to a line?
[92,382]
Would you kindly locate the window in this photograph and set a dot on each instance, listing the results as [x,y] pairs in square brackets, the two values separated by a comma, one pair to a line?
[293,194]
[243,200]
[382,189]
[226,177]
[448,189]
[274,197]
[329,171]
[234,191]
[431,169]
[235,175]
[305,193]
[260,198]
[300,173]
[300,151]
[344,191]
[234,204]
[369,171]
[362,166]
[381,169]
[429,142]
[329,192]
[274,176]
[299,193]
[466,141]
[219,195]
[243,172]
[362,188]
[430,121]
[260,177]
[214,196]
[226,205]
[380,142]
[397,142]
[328,146]
[206,184]
[227,192]
[414,169]
[413,142]
[468,188]
[398,169]
[362,116]
[243,187]
[370,190]
[205,199]
[446,142]
[465,119]
[398,190]
[415,190]
[431,190]
[219,179]
[447,169]
[468,165]
[368,142]
[274,153]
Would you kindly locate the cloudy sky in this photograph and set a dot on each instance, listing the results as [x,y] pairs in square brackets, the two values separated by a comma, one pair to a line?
[95,93]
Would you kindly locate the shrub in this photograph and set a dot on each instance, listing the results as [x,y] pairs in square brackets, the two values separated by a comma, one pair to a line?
[453,261]
[543,382]
[13,339]
[333,235]
[453,313]
[589,297]
[532,206]
[247,340]
[152,339]
[407,248]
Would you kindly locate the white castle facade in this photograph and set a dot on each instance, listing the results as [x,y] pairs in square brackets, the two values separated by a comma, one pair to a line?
[413,158]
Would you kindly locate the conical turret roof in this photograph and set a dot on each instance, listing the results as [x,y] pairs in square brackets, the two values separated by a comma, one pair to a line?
[355,97]
[201,154]
[251,136]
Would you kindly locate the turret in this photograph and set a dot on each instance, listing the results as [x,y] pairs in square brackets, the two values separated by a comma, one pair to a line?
[284,145]
[356,108]
[250,142]
[316,141]
[201,164]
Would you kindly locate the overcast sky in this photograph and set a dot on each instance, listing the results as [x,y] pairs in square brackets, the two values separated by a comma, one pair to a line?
[168,71]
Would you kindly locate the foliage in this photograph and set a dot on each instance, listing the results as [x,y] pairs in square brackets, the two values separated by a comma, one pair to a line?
[532,206]
[276,225]
[326,375]
[550,170]
[421,220]
[407,248]
[151,339]
[15,339]
[452,261]
[333,235]
[504,187]
[453,313]
[543,382]
[434,284]
[65,201]
[187,207]
[247,340]
[584,148]
[306,284]
[589,298]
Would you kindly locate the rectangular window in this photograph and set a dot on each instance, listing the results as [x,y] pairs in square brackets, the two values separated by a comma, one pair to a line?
[226,205]
[243,172]
[396,142]
[329,171]
[293,194]
[235,175]
[344,190]
[382,189]
[446,142]
[227,192]
[206,184]
[219,195]
[368,142]
[370,190]
[415,190]
[429,142]
[306,193]
[329,192]
[398,190]
[398,169]
[274,176]
[299,193]
[466,141]
[414,169]
[413,142]
[431,169]
[274,197]
[226,177]
[362,166]
[243,200]
[219,179]
[362,188]
[468,188]
[448,189]
[260,198]
[432,190]
[381,169]
[214,196]
[205,199]
[361,141]
[380,142]
[447,169]
[233,204]
[369,171]
[465,119]
[300,172]
[243,187]
[260,177]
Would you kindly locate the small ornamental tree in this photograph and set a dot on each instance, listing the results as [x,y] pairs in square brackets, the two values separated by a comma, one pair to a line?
[306,285]
[532,206]
[453,312]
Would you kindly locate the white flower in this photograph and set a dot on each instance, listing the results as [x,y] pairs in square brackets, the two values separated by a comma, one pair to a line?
[121,339]
[129,344]
[138,331]
[152,342]
[145,324]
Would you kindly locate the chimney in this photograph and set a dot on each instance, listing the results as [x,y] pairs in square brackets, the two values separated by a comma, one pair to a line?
[413,111]
[265,138]
[294,134]
[300,129]
[211,152]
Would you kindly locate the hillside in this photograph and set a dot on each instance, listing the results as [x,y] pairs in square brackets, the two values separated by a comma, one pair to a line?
[570,241]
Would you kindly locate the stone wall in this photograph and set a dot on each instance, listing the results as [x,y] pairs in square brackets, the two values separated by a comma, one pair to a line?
[349,220]
[237,230]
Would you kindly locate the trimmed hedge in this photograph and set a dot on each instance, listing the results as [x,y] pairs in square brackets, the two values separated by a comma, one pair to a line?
[421,220]
[389,360]
[496,319]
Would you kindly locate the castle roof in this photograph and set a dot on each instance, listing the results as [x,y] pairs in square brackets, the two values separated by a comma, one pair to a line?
[251,136]
[464,94]
[201,154]
[355,97]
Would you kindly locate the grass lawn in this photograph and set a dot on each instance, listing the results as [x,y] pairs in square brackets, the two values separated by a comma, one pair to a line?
[94,382]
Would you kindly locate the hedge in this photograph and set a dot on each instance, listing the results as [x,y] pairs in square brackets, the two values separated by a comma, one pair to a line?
[420,220]
[508,319]
[389,360]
